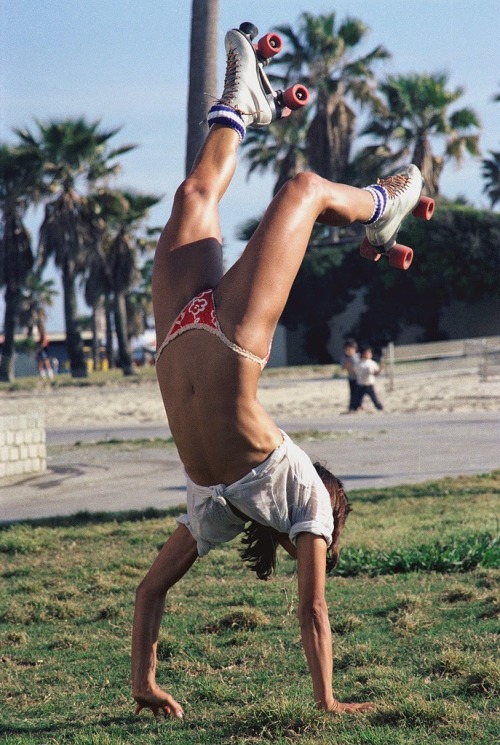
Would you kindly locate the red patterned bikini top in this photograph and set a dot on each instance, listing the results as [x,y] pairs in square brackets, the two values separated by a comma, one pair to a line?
[200,313]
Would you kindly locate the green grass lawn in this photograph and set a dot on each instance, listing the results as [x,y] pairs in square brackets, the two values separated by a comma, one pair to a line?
[413,607]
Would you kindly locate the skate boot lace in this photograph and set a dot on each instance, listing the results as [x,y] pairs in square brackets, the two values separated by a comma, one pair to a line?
[231,78]
[395,185]
[231,82]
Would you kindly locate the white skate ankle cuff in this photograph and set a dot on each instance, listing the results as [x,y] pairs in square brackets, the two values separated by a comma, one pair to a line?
[379,194]
[227,117]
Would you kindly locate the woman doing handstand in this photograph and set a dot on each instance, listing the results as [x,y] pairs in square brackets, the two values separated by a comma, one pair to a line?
[214,334]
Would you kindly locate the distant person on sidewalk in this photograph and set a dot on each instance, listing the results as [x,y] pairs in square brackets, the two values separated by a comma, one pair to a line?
[42,355]
[349,361]
[366,371]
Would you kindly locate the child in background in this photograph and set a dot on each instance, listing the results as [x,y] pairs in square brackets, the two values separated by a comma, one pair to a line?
[366,370]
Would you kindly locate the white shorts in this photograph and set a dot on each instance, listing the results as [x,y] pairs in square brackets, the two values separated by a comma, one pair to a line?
[284,492]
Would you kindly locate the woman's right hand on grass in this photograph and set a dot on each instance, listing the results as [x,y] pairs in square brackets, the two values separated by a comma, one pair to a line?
[158,701]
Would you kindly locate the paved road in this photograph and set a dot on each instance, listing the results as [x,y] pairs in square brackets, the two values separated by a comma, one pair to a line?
[366,451]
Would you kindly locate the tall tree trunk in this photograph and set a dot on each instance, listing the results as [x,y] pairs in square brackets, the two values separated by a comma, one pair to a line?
[124,354]
[74,342]
[7,371]
[95,334]
[17,259]
[430,167]
[202,73]
[109,332]
[98,330]
[329,139]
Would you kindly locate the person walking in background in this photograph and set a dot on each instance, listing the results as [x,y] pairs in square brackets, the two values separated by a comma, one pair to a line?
[42,354]
[349,362]
[366,370]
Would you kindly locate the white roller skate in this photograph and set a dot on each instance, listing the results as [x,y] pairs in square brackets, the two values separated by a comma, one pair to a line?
[247,89]
[395,197]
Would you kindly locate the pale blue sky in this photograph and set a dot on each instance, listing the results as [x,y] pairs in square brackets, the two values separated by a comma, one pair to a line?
[125,62]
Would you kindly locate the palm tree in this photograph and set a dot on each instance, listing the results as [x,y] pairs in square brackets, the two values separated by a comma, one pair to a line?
[322,56]
[416,114]
[491,172]
[113,270]
[74,154]
[38,295]
[19,184]
[140,300]
[282,148]
[202,73]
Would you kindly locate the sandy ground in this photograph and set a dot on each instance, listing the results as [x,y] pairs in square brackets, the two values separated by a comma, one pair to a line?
[310,396]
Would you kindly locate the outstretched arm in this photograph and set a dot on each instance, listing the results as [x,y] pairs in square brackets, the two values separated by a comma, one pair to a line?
[175,558]
[348,364]
[314,623]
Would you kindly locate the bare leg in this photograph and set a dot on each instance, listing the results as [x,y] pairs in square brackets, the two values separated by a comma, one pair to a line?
[195,213]
[253,293]
[251,297]
[188,257]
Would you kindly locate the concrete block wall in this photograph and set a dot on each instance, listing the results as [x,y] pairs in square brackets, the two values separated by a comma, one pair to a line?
[22,445]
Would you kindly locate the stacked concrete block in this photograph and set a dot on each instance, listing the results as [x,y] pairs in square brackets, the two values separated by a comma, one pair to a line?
[22,445]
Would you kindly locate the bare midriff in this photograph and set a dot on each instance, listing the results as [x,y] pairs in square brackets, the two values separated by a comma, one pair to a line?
[210,395]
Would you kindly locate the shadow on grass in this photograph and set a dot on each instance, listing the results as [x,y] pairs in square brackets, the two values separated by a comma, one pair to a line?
[67,730]
[79,519]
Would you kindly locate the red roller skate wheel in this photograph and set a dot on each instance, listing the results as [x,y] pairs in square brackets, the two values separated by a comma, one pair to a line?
[296,97]
[269,45]
[367,251]
[400,257]
[425,208]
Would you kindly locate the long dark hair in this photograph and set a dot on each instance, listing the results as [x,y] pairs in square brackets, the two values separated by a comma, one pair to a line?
[261,541]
